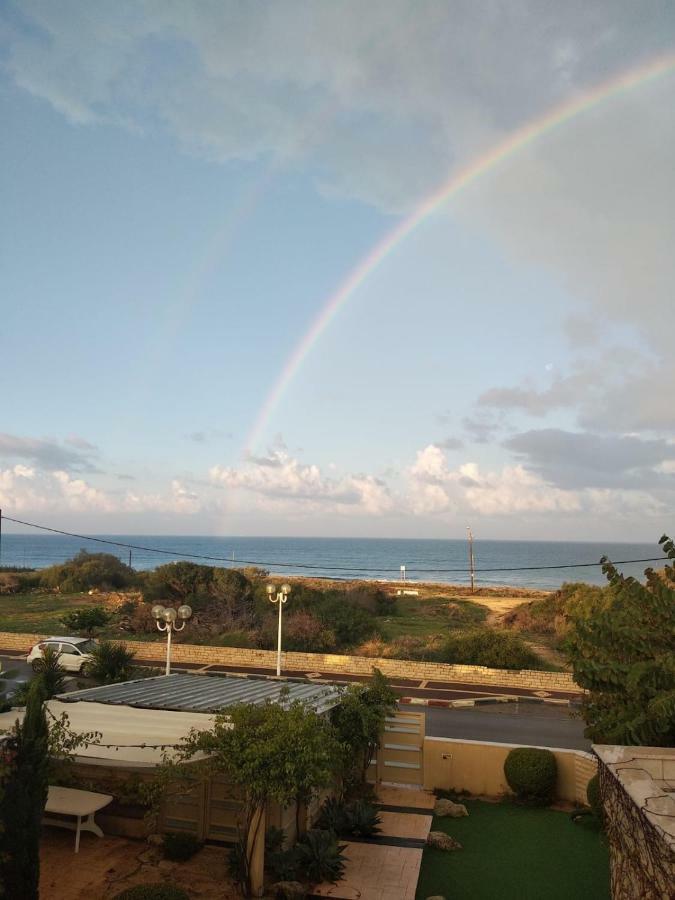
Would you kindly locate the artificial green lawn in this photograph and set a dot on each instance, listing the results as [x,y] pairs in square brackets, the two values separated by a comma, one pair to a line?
[513,852]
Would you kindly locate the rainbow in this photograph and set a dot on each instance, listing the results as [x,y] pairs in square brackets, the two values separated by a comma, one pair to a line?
[460,180]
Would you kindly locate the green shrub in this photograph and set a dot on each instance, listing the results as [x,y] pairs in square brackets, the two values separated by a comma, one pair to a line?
[110,663]
[283,865]
[593,795]
[180,845]
[484,647]
[356,818]
[88,570]
[153,892]
[274,839]
[86,619]
[320,857]
[531,773]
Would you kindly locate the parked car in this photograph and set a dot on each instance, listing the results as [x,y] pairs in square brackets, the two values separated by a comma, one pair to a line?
[74,652]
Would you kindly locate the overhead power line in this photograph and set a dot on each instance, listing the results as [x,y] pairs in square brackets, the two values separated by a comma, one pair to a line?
[313,566]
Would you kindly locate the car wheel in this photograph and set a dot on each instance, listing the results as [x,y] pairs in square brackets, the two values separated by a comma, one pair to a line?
[36,665]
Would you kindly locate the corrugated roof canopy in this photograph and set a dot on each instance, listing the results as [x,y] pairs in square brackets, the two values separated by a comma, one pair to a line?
[207,693]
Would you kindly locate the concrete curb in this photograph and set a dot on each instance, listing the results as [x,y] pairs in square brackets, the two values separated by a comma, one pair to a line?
[483,701]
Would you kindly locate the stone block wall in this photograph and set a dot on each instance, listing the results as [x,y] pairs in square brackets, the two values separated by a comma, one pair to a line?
[303,663]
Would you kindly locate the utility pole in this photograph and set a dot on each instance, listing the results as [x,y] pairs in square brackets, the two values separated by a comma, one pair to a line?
[130,559]
[472,568]
[0,536]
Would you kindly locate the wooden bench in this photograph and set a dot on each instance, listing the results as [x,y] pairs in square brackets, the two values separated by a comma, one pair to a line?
[82,805]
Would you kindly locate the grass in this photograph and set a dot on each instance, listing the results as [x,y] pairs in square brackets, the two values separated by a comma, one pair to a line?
[39,613]
[513,852]
[418,617]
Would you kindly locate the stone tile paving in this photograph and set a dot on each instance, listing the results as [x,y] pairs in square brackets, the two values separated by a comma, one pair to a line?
[377,871]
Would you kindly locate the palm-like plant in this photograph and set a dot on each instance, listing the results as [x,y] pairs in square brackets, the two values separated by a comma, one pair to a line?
[109,663]
[50,672]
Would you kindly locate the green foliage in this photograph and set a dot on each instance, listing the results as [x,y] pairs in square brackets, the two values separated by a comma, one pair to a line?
[485,647]
[224,592]
[320,857]
[87,619]
[24,795]
[531,774]
[356,818]
[153,892]
[180,846]
[49,673]
[622,651]
[110,663]
[358,722]
[274,839]
[283,865]
[88,570]
[302,631]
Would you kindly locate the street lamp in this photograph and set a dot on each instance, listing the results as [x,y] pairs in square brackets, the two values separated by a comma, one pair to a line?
[281,598]
[166,621]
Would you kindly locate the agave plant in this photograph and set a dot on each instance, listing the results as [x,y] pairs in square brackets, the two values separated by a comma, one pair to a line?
[109,663]
[320,856]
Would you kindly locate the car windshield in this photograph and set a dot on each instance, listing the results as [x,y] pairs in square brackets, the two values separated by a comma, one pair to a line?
[86,646]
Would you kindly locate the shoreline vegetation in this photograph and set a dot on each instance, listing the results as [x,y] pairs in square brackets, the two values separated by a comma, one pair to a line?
[96,594]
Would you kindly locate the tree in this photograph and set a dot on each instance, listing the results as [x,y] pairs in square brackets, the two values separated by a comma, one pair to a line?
[87,619]
[24,795]
[110,662]
[269,753]
[88,570]
[622,651]
[358,722]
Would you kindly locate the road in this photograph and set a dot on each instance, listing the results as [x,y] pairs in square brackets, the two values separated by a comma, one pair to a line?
[524,724]
[511,723]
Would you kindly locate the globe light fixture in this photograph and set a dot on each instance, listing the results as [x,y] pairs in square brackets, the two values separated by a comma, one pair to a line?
[165,618]
[279,597]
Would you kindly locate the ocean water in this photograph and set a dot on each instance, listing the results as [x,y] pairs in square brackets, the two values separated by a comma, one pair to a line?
[366,558]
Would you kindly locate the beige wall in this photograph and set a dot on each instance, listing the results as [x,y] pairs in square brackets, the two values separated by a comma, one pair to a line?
[331,662]
[479,768]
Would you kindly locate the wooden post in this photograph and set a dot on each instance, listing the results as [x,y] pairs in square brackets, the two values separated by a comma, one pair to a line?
[471,559]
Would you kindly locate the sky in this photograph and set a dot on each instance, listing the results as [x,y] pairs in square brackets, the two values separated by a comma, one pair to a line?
[185,186]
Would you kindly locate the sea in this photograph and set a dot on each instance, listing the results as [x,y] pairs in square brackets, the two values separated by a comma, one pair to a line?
[532,564]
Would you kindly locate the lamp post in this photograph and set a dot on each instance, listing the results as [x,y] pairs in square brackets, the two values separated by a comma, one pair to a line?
[280,598]
[166,621]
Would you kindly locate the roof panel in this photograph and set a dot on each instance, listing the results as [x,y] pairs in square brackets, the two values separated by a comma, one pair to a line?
[207,693]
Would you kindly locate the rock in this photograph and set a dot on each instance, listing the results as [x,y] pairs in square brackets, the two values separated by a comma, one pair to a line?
[155,839]
[166,865]
[441,841]
[436,897]
[448,808]
[289,890]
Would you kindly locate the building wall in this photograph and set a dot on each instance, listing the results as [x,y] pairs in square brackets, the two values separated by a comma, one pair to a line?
[479,768]
[301,663]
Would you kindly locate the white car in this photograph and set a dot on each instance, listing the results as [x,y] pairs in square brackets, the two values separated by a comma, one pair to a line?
[73,652]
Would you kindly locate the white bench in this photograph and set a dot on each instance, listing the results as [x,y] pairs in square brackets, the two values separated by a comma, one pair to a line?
[81,804]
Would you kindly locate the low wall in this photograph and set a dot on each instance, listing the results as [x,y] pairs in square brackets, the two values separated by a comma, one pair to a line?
[300,663]
[478,768]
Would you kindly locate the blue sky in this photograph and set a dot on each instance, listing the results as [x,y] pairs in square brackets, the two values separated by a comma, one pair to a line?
[185,186]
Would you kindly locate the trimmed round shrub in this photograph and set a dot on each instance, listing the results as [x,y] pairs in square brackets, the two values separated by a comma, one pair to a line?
[531,774]
[593,795]
[180,845]
[153,892]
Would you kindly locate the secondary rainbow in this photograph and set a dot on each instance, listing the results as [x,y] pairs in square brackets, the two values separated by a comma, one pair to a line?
[461,179]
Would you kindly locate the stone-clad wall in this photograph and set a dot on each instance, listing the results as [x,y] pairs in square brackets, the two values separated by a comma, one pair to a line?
[642,862]
[301,663]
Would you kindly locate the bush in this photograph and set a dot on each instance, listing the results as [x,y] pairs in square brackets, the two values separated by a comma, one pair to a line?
[593,796]
[531,774]
[303,632]
[153,892]
[88,570]
[320,857]
[180,845]
[358,818]
[484,647]
[109,663]
[87,619]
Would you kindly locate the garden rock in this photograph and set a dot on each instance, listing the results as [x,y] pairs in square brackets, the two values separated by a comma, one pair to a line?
[441,841]
[289,890]
[155,839]
[436,897]
[448,808]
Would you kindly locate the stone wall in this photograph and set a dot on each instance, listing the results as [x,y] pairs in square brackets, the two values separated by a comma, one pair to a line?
[640,820]
[303,663]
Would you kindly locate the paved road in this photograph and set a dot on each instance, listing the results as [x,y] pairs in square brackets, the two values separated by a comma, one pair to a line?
[508,723]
